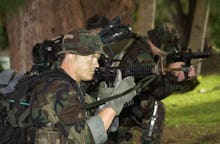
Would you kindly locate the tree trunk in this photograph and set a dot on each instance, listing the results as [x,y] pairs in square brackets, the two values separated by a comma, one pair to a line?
[36,21]
[181,19]
[199,27]
[145,16]
[39,20]
[122,8]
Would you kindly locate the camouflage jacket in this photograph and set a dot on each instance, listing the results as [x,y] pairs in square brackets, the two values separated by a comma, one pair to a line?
[59,101]
[139,53]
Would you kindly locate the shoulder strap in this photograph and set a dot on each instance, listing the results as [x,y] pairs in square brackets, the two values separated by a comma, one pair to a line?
[60,73]
[121,54]
[142,83]
[80,92]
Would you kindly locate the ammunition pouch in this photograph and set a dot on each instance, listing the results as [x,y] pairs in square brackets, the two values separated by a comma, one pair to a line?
[49,135]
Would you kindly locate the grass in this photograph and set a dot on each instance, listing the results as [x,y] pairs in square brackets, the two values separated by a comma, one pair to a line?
[198,107]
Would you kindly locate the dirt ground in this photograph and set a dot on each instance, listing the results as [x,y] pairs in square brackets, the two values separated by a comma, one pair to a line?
[191,135]
[184,134]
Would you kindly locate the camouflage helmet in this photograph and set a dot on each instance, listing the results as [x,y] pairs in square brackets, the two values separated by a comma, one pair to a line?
[81,42]
[165,37]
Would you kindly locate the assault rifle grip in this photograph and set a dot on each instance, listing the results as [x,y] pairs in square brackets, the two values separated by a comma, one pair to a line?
[186,58]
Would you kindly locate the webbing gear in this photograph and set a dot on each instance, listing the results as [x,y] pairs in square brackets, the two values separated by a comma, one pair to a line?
[51,113]
[121,54]
[108,46]
[142,83]
[49,135]
[16,90]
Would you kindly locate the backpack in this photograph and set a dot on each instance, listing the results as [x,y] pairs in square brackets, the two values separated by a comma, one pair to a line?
[14,108]
[16,92]
[165,37]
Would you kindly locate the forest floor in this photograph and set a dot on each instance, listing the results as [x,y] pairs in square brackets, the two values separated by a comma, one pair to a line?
[186,134]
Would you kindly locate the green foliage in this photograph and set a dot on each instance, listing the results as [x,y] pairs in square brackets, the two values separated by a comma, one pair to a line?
[198,107]
[3,37]
[161,14]
[9,6]
[185,6]
[214,21]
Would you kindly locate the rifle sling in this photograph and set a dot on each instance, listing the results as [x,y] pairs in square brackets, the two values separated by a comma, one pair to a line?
[140,84]
[121,54]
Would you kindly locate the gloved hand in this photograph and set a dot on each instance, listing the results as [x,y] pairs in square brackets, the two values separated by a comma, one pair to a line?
[120,86]
[104,91]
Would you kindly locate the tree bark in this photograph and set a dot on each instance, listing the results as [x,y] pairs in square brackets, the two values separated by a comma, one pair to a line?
[145,16]
[181,19]
[36,21]
[199,28]
[39,20]
[122,8]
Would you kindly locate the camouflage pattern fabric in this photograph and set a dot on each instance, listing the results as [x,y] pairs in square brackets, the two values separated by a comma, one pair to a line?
[135,120]
[58,104]
[48,135]
[81,42]
[165,37]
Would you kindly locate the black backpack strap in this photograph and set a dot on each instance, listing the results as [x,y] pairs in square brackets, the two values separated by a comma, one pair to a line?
[142,83]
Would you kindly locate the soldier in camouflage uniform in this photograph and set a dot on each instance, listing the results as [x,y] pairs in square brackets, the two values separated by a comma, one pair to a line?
[57,109]
[142,121]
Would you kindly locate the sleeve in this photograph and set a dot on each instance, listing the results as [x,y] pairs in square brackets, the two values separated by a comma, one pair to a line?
[73,122]
[162,87]
[166,85]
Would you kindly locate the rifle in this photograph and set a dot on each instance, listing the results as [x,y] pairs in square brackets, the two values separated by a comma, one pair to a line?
[185,57]
[146,73]
[108,73]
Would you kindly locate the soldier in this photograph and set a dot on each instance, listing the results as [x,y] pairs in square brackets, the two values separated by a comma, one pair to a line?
[57,109]
[143,120]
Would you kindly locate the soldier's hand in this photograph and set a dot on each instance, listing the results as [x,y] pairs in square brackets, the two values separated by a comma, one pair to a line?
[192,72]
[180,74]
[121,86]
[104,91]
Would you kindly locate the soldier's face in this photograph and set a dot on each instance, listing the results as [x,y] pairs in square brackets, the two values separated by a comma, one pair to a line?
[84,66]
[179,74]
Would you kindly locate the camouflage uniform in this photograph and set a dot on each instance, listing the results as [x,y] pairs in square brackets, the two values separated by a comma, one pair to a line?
[137,121]
[57,108]
[64,95]
[142,122]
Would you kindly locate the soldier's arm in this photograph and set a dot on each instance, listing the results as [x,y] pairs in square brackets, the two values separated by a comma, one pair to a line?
[168,84]
[72,120]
